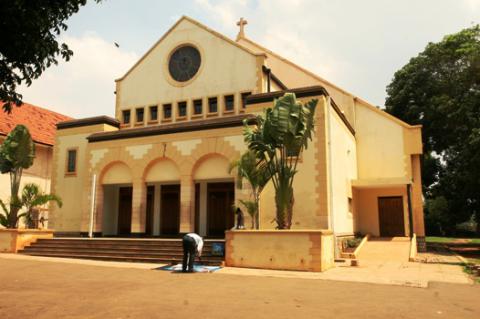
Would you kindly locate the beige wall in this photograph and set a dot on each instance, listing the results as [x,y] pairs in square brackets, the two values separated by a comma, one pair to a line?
[309,211]
[343,170]
[71,187]
[225,69]
[380,150]
[280,249]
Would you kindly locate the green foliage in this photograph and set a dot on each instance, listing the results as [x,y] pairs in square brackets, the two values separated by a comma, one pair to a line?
[249,168]
[28,30]
[440,89]
[17,151]
[16,154]
[33,197]
[281,134]
[252,210]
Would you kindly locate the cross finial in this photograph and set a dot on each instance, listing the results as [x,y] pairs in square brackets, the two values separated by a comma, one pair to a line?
[241,23]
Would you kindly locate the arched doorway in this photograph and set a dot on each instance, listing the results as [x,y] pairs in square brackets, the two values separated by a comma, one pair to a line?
[215,196]
[162,177]
[116,181]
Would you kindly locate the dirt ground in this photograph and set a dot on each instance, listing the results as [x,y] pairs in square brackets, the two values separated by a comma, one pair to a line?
[37,289]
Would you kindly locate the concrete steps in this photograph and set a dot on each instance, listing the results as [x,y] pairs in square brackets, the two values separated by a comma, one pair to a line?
[128,250]
[385,249]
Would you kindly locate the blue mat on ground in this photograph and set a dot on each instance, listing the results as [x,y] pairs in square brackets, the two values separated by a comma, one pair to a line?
[196,268]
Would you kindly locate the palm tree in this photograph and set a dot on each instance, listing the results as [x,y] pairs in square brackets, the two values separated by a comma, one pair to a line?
[248,167]
[33,197]
[16,154]
[281,134]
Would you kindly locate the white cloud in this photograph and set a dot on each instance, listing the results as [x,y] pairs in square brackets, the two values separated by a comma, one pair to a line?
[84,86]
[227,12]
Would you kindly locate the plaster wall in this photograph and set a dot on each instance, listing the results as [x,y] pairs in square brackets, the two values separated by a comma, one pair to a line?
[225,69]
[344,169]
[71,187]
[380,151]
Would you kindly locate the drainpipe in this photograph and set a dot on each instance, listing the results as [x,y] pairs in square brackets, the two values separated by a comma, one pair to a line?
[92,206]
[330,175]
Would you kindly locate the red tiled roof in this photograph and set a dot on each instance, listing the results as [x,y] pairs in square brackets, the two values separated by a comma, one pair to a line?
[40,122]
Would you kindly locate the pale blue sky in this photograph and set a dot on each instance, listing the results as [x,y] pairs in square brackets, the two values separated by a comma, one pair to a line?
[356,44]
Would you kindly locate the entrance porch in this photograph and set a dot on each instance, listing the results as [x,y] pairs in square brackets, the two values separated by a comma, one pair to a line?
[164,203]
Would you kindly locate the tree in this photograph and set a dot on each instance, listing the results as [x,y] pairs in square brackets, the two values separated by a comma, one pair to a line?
[249,168]
[33,197]
[28,30]
[16,154]
[281,134]
[440,89]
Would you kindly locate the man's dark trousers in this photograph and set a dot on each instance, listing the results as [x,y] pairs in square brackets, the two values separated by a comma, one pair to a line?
[189,250]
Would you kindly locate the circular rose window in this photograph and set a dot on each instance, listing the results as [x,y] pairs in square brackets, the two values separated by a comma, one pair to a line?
[184,63]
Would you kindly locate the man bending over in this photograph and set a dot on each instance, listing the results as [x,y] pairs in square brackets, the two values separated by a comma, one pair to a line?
[192,244]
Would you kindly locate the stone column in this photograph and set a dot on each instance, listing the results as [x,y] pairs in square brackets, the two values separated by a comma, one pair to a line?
[417,203]
[139,198]
[187,200]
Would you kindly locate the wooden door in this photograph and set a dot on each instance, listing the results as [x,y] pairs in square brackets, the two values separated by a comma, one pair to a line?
[220,215]
[149,211]
[124,222]
[170,210]
[390,216]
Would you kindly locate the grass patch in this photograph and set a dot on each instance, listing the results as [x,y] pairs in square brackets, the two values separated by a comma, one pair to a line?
[446,240]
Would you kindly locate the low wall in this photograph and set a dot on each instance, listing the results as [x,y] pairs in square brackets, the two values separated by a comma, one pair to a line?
[306,250]
[13,240]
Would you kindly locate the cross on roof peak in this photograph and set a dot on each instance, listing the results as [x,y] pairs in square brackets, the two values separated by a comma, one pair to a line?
[241,23]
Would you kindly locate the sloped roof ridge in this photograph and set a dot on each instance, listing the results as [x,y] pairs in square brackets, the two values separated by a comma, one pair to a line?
[380,111]
[199,24]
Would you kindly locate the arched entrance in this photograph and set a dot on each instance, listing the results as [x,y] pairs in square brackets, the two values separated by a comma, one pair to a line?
[163,198]
[116,180]
[214,196]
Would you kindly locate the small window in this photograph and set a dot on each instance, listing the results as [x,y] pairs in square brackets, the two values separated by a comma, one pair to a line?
[229,103]
[182,109]
[153,113]
[212,105]
[197,107]
[139,113]
[126,117]
[167,111]
[71,161]
[244,99]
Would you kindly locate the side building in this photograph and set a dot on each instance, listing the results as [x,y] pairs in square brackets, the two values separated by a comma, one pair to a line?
[42,126]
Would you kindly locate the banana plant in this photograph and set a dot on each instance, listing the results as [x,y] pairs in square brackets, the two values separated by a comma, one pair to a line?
[281,134]
[16,154]
[257,176]
[33,197]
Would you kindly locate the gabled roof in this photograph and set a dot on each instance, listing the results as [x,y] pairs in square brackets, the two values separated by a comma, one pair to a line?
[319,78]
[40,122]
[200,25]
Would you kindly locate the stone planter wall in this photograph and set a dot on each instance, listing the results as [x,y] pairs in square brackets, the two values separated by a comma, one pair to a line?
[306,250]
[13,240]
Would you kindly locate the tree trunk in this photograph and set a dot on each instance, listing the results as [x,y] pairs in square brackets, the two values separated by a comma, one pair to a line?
[15,178]
[284,205]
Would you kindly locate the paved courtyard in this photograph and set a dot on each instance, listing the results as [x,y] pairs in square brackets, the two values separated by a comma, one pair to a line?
[35,288]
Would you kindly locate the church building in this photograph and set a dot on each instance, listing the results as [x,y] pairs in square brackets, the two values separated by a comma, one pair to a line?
[161,166]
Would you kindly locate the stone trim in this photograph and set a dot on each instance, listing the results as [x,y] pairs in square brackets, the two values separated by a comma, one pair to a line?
[221,122]
[88,121]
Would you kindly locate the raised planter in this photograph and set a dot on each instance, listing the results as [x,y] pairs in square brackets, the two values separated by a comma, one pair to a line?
[12,240]
[305,250]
